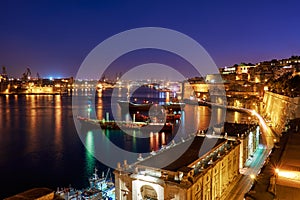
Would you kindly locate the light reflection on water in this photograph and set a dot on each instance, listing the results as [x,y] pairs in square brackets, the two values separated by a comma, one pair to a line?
[90,160]
[39,144]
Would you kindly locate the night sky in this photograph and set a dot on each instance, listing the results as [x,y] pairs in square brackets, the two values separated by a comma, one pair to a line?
[53,37]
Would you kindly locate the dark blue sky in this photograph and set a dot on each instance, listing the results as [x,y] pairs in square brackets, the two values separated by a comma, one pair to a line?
[53,37]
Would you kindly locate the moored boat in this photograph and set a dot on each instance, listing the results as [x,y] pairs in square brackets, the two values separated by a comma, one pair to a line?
[101,188]
[174,106]
[135,106]
[122,125]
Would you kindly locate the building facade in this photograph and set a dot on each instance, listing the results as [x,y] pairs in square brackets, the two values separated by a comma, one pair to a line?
[189,177]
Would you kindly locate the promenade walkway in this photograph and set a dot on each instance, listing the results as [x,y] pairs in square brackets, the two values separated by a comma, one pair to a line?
[267,185]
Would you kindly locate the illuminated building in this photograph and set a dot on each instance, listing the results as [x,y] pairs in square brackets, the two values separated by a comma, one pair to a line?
[279,109]
[193,175]
[3,81]
[39,86]
[199,172]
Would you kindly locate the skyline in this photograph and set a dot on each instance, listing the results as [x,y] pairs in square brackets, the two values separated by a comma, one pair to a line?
[53,38]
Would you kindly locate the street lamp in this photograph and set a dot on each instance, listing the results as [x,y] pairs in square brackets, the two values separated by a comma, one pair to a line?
[253,179]
[275,180]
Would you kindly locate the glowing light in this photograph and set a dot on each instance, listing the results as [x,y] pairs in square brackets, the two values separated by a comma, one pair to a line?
[90,149]
[289,174]
[252,176]
[276,170]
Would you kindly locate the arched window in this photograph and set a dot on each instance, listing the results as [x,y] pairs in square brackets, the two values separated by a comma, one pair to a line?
[148,192]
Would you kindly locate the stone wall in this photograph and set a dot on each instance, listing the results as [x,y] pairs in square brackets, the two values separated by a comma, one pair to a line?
[280,110]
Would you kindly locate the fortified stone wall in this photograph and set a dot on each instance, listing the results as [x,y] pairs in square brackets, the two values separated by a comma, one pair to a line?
[280,110]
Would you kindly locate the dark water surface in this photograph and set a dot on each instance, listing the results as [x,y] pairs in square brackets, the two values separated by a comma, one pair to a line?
[40,146]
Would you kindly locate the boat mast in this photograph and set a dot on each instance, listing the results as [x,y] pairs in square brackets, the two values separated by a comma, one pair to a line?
[108,171]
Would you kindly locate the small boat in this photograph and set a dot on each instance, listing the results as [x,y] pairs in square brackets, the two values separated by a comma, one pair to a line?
[174,106]
[91,193]
[101,188]
[113,125]
[102,184]
[69,193]
[135,106]
[88,123]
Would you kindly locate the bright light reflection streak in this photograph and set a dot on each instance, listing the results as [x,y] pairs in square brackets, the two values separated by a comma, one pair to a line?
[265,129]
[288,174]
[90,149]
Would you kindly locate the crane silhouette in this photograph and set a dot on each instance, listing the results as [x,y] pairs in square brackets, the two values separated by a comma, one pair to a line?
[4,70]
[26,74]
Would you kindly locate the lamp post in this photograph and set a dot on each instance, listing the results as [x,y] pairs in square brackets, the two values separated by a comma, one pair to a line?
[249,120]
[89,111]
[275,180]
[253,178]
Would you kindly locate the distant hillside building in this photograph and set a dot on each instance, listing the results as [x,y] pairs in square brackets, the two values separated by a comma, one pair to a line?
[243,72]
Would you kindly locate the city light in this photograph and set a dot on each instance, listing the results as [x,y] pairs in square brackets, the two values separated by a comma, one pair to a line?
[288,174]
[86,87]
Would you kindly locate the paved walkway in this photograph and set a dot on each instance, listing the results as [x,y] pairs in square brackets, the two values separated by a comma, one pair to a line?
[265,187]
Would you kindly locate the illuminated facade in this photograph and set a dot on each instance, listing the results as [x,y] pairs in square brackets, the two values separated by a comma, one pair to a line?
[36,86]
[279,109]
[249,144]
[196,174]
[3,83]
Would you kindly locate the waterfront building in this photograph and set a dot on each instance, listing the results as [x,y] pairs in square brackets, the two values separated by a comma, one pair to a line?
[194,175]
[3,83]
[3,80]
[249,137]
[195,88]
[36,86]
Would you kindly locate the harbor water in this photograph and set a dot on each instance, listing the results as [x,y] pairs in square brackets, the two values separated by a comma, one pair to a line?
[40,146]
